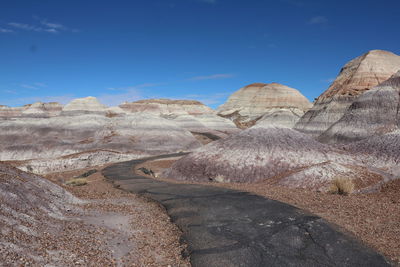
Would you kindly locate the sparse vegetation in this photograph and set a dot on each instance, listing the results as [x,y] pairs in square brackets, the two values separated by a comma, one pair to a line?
[341,186]
[147,171]
[111,114]
[87,174]
[77,182]
[220,178]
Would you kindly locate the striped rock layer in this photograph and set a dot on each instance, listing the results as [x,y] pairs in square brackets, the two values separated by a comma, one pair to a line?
[356,77]
[272,155]
[252,102]
[375,112]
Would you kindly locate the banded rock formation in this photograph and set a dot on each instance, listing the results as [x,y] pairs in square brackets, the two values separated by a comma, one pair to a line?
[43,109]
[167,107]
[356,77]
[79,106]
[252,102]
[287,117]
[85,132]
[51,138]
[381,152]
[375,112]
[10,112]
[189,114]
[271,154]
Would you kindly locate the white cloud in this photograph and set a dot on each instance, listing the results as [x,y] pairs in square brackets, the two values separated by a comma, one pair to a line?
[12,92]
[44,26]
[318,20]
[35,86]
[212,77]
[126,94]
[52,25]
[3,30]
[41,84]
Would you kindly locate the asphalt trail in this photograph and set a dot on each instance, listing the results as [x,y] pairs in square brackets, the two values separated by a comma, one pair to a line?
[224,227]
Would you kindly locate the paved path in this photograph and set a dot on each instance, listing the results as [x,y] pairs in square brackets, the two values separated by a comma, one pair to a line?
[224,227]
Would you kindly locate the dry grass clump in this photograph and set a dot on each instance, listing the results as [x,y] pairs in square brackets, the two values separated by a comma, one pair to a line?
[111,114]
[77,182]
[341,186]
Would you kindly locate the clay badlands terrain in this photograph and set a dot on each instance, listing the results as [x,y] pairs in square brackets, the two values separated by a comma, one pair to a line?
[267,139]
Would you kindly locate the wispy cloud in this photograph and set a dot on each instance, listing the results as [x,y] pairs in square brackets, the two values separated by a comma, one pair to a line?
[3,30]
[318,20]
[212,77]
[12,92]
[29,27]
[43,26]
[34,86]
[127,93]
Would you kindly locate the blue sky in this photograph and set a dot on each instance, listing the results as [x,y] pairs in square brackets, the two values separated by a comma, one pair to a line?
[188,49]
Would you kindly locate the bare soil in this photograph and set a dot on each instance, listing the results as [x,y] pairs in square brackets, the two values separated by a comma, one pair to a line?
[134,230]
[373,218]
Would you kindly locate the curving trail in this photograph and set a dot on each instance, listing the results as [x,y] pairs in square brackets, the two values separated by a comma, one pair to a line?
[224,227]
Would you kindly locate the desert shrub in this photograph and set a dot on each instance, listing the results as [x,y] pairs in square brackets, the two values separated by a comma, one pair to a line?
[111,114]
[341,186]
[220,178]
[77,182]
[87,174]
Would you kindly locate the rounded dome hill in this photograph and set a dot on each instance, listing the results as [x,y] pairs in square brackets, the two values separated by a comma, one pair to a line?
[253,101]
[86,104]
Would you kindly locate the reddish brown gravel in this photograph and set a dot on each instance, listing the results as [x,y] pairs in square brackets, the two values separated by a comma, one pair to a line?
[141,227]
[374,218]
[43,225]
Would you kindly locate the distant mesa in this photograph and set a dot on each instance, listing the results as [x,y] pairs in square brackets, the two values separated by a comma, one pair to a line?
[375,112]
[274,103]
[356,77]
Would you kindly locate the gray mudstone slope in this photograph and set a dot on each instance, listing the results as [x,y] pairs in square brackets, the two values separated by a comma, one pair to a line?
[375,112]
[356,77]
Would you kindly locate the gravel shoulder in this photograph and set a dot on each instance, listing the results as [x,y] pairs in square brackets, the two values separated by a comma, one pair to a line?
[127,230]
[373,218]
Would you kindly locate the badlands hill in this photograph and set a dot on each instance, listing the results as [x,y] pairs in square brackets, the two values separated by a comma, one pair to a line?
[37,109]
[86,132]
[356,77]
[274,103]
[271,154]
[167,106]
[375,112]
[30,207]
[188,114]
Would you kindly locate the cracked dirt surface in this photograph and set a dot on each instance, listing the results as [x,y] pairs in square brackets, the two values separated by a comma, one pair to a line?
[225,227]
